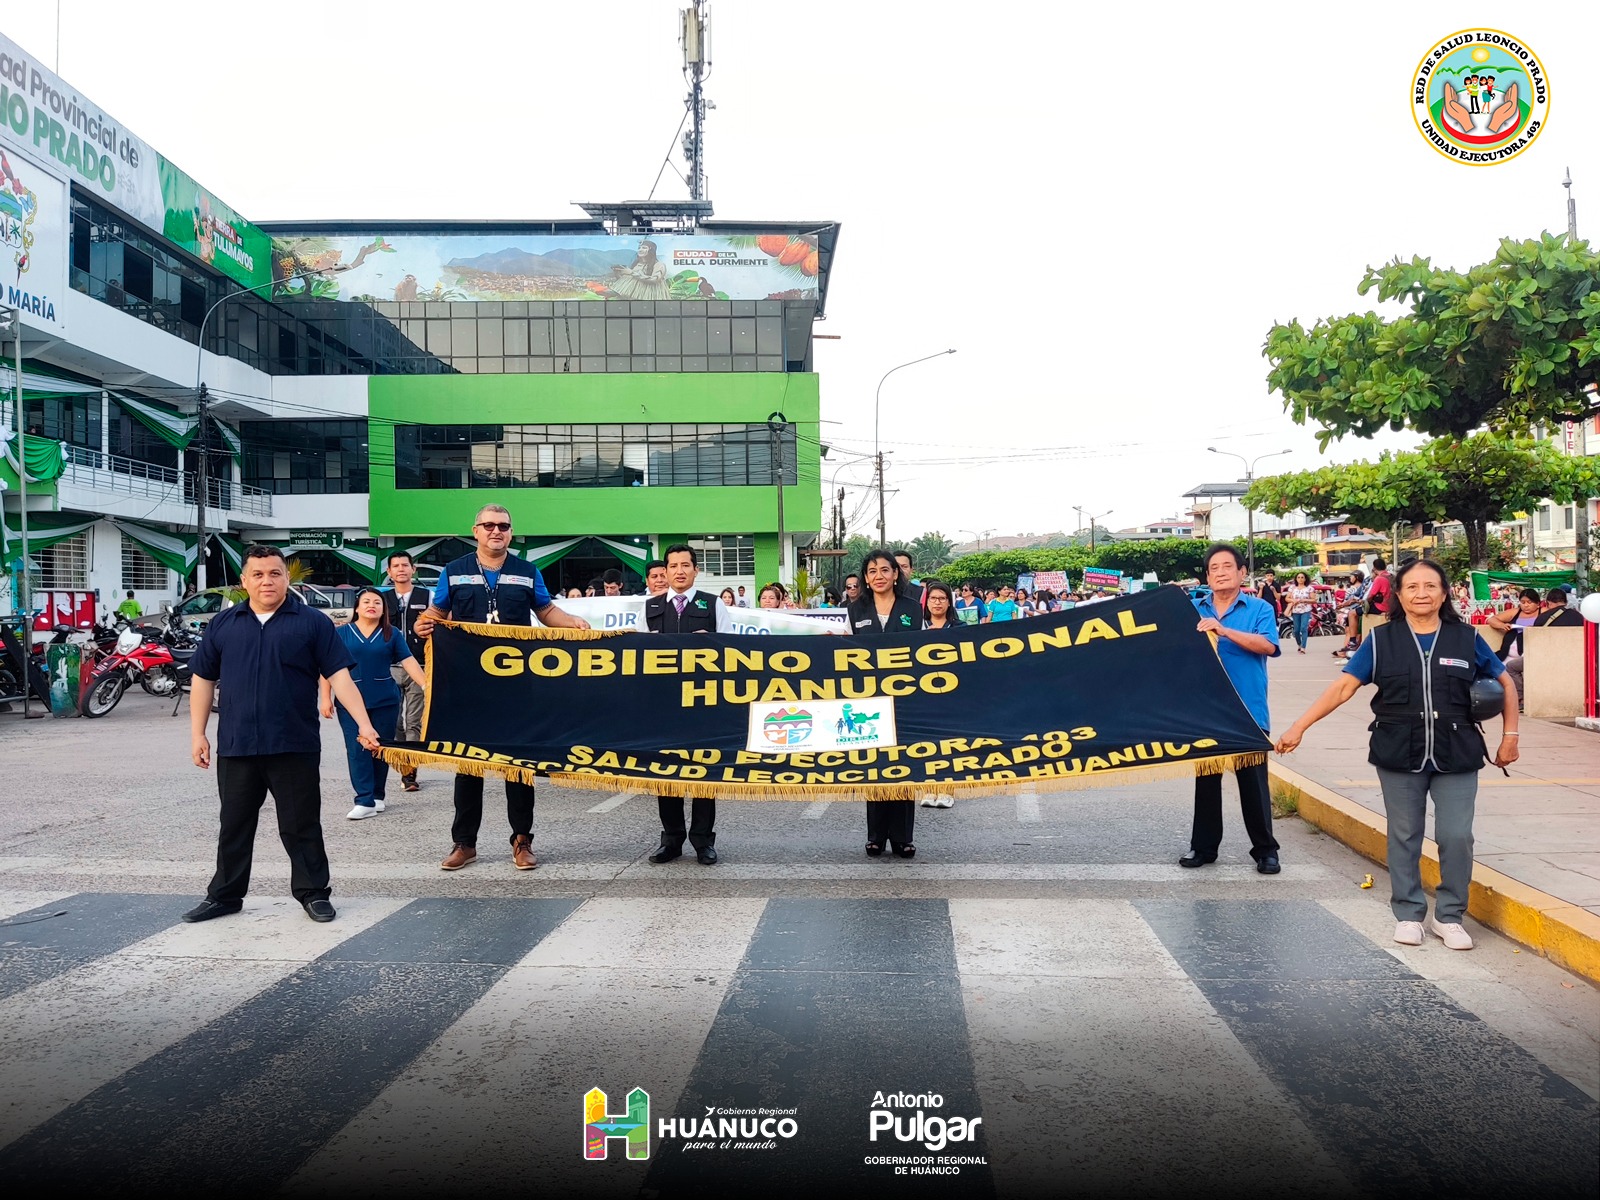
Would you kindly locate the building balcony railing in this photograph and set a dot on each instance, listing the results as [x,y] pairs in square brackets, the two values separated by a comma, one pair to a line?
[129,477]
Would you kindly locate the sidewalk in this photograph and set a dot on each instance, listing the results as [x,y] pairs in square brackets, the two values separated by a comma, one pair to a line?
[1541,826]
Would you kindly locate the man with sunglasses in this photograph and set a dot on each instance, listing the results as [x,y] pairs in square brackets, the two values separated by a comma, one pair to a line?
[492,587]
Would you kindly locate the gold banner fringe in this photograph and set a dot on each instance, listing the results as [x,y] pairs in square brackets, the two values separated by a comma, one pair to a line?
[535,633]
[409,760]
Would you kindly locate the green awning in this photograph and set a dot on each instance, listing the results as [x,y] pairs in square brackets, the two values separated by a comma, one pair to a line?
[541,553]
[44,529]
[1543,580]
[629,552]
[174,428]
[172,550]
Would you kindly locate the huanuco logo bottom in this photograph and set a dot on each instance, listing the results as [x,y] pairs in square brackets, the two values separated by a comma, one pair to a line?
[633,1126]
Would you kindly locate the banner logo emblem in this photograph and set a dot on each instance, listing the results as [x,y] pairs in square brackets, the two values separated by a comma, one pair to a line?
[786,726]
[632,1126]
[1480,96]
[18,207]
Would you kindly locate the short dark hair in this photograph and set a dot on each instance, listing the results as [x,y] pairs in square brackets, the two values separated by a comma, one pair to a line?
[260,551]
[680,548]
[905,554]
[1529,594]
[1556,595]
[611,576]
[405,554]
[851,576]
[1378,564]
[1215,549]
[653,564]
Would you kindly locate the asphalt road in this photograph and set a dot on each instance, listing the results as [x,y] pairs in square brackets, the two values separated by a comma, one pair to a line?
[1121,1026]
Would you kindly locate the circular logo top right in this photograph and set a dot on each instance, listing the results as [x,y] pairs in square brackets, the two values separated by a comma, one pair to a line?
[1480,96]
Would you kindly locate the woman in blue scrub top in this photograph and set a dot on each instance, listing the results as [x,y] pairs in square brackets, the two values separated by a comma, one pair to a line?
[375,645]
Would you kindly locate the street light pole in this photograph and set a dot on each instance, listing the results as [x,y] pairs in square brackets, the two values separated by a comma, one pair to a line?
[1092,520]
[777,424]
[24,580]
[200,422]
[1250,513]
[877,449]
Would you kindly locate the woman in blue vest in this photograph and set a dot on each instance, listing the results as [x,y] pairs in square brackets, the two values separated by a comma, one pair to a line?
[376,646]
[885,609]
[492,586]
[1424,743]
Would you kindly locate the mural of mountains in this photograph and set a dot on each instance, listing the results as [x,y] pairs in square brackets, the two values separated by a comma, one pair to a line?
[512,261]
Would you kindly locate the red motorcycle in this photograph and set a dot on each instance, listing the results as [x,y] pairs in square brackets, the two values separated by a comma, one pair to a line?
[135,656]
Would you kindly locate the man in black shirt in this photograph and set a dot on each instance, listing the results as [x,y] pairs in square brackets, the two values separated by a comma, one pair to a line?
[272,651]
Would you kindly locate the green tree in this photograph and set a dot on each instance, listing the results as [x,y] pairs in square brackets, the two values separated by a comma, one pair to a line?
[930,552]
[1507,344]
[1176,558]
[1502,551]
[1473,480]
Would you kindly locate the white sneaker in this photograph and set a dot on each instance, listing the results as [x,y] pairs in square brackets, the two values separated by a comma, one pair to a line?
[1408,933]
[361,812]
[1450,933]
[378,804]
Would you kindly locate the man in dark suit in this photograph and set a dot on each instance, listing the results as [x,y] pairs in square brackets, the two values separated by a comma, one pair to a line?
[684,609]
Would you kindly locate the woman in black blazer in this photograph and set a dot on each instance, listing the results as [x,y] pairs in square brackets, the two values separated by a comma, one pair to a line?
[883,609]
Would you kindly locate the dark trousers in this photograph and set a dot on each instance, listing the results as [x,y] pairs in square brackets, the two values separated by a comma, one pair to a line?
[890,820]
[368,775]
[294,780]
[469,809]
[702,833]
[1255,802]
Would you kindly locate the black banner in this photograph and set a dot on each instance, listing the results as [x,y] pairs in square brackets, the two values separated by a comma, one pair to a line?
[1080,698]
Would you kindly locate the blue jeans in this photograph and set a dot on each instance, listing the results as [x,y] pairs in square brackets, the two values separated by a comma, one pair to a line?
[1302,627]
[367,774]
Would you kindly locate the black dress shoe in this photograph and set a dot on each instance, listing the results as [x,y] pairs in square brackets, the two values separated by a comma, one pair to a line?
[1268,864]
[665,853]
[707,857]
[207,909]
[906,851]
[1195,859]
[318,910]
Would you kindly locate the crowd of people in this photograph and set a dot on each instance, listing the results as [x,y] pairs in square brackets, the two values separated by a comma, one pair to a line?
[284,661]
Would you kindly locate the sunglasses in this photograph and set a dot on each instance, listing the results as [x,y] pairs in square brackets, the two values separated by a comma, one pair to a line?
[496,526]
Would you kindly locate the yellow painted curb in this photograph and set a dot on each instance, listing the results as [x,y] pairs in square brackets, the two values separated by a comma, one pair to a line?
[1562,932]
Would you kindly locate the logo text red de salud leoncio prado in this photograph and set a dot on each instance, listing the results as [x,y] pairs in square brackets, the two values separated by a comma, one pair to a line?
[1480,96]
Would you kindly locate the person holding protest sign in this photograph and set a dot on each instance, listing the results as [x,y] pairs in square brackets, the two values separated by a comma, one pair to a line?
[1426,743]
[683,609]
[494,587]
[886,609]
[1246,629]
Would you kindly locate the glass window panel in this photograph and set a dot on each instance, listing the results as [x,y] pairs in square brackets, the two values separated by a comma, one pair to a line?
[466,366]
[769,308]
[694,335]
[719,308]
[644,362]
[719,362]
[744,308]
[693,308]
[536,338]
[514,308]
[563,336]
[490,342]
[744,362]
[540,308]
[595,366]
[491,366]
[489,308]
[719,336]
[463,338]
[439,337]
[692,363]
[616,308]
[534,366]
[592,335]
[668,336]
[514,337]
[644,335]
[617,340]
[769,335]
[768,363]
[744,335]
[668,363]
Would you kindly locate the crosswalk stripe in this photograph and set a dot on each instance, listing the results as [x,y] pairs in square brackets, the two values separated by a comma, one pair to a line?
[1078,1011]
[814,810]
[12,903]
[1028,808]
[240,1103]
[63,1038]
[611,802]
[1332,1017]
[91,924]
[621,995]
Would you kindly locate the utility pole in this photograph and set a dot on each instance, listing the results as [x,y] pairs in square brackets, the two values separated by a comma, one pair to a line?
[200,493]
[692,36]
[1250,513]
[1580,559]
[777,425]
[880,499]
[24,589]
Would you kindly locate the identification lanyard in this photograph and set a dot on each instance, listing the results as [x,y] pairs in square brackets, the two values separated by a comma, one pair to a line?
[492,588]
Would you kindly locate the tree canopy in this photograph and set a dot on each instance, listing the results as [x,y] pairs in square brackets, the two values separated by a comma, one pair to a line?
[1170,558]
[1507,344]
[1474,480]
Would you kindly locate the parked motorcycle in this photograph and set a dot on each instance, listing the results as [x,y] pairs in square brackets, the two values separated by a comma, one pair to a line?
[134,656]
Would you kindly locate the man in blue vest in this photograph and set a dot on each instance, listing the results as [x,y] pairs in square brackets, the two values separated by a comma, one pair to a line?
[492,587]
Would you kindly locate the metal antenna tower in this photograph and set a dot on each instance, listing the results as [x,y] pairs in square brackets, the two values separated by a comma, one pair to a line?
[693,35]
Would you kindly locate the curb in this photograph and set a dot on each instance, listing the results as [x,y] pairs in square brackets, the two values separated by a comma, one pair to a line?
[1564,933]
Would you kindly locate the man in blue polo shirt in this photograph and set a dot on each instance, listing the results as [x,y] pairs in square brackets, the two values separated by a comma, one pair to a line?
[271,651]
[1246,629]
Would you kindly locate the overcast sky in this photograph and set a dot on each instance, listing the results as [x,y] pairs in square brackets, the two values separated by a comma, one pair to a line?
[1102,208]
